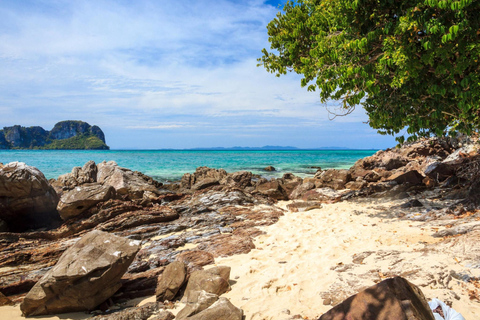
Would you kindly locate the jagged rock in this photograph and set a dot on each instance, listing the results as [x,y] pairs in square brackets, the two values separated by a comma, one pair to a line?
[86,275]
[272,189]
[301,189]
[394,298]
[78,176]
[205,183]
[410,177]
[202,173]
[269,168]
[335,179]
[143,312]
[27,200]
[125,181]
[356,185]
[240,179]
[213,280]
[82,198]
[439,171]
[196,302]
[170,281]
[222,309]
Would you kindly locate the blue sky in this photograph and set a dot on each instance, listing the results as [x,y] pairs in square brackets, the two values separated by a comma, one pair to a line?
[161,74]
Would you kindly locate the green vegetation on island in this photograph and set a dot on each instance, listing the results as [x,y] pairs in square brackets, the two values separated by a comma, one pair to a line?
[413,65]
[71,135]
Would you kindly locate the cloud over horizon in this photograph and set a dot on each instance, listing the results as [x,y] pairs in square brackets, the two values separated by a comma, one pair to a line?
[160,75]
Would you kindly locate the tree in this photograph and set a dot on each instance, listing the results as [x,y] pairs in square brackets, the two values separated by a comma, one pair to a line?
[411,64]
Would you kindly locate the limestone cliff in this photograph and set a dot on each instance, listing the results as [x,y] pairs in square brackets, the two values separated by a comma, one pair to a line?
[64,135]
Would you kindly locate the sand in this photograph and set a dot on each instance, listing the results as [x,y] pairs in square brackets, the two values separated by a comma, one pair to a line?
[309,261]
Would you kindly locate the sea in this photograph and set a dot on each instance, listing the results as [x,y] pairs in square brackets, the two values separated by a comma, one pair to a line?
[170,165]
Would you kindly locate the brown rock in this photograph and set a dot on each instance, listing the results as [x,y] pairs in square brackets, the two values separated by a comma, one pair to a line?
[195,258]
[4,301]
[410,177]
[27,200]
[86,275]
[335,179]
[202,173]
[82,198]
[170,281]
[240,179]
[272,189]
[197,301]
[269,168]
[214,280]
[205,183]
[300,190]
[222,309]
[394,298]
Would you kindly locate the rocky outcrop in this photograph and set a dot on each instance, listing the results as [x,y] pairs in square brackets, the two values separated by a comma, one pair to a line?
[60,137]
[213,280]
[82,198]
[87,274]
[394,298]
[222,309]
[26,198]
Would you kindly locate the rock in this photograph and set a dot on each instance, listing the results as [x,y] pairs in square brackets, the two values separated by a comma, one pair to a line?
[205,183]
[335,179]
[143,312]
[27,200]
[269,168]
[196,258]
[213,280]
[301,189]
[272,189]
[222,309]
[414,203]
[411,177]
[394,298]
[439,171]
[356,185]
[125,181]
[202,173]
[86,275]
[4,301]
[324,194]
[82,198]
[240,179]
[196,302]
[170,281]
[78,176]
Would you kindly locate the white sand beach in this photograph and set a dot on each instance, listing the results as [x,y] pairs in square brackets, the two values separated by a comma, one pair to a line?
[309,261]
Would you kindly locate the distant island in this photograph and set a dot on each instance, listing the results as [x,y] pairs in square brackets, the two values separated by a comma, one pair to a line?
[273,148]
[65,135]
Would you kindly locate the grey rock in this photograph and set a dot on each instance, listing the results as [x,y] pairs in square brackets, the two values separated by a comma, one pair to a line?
[82,198]
[27,200]
[86,275]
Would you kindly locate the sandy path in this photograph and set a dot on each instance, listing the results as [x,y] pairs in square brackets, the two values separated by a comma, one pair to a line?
[306,259]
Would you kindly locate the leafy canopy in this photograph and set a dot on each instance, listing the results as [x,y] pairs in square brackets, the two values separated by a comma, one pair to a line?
[411,64]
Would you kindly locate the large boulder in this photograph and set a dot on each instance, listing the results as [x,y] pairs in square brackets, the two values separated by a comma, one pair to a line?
[213,280]
[170,281]
[125,181]
[78,176]
[86,275]
[272,189]
[82,198]
[27,200]
[394,298]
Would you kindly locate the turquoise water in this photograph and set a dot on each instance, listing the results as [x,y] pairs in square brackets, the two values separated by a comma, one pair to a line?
[170,165]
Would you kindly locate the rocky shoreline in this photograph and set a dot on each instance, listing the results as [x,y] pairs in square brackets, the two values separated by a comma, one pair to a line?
[211,214]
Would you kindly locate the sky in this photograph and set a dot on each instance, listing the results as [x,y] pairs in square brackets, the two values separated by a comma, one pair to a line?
[157,74]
